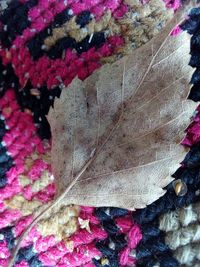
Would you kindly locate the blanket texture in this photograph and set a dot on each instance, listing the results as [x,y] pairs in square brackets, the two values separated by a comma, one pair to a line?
[44,43]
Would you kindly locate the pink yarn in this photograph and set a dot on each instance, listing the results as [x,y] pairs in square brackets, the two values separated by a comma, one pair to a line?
[176,31]
[8,217]
[134,236]
[37,169]
[175,4]
[84,254]
[10,190]
[4,251]
[86,265]
[193,131]
[32,236]
[46,194]
[84,237]
[13,173]
[22,264]
[2,207]
[51,256]
[124,223]
[44,243]
[22,224]
[86,213]
[119,12]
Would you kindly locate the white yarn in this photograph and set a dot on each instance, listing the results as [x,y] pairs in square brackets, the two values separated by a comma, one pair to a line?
[188,254]
[183,236]
[169,221]
[174,220]
[187,215]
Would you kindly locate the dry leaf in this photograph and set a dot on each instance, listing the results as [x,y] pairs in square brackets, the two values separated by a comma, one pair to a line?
[115,136]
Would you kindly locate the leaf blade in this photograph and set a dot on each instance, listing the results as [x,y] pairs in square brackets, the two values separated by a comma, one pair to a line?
[116,129]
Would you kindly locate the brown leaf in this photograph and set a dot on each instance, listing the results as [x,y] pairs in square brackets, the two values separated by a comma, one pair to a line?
[115,136]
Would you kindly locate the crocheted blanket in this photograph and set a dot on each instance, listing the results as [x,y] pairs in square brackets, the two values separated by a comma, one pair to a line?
[43,42]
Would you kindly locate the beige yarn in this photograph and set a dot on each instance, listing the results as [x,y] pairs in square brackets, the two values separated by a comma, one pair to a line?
[183,234]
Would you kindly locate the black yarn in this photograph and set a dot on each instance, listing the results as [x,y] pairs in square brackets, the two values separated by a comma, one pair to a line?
[8,79]
[195,42]
[8,235]
[35,262]
[6,162]
[192,159]
[195,93]
[26,253]
[114,212]
[194,60]
[107,218]
[154,247]
[36,44]
[192,25]
[15,20]
[64,43]
[60,19]
[83,18]
[102,215]
[167,261]
[110,254]
[97,41]
[119,241]
[39,106]
[3,153]
[150,231]
[110,226]
[196,77]
[2,130]
[57,50]
[156,251]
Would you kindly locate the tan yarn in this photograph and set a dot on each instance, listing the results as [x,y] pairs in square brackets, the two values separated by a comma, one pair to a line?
[61,224]
[144,21]
[45,179]
[139,25]
[28,207]
[19,202]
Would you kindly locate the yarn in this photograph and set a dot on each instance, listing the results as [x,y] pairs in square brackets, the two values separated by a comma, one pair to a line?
[183,234]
